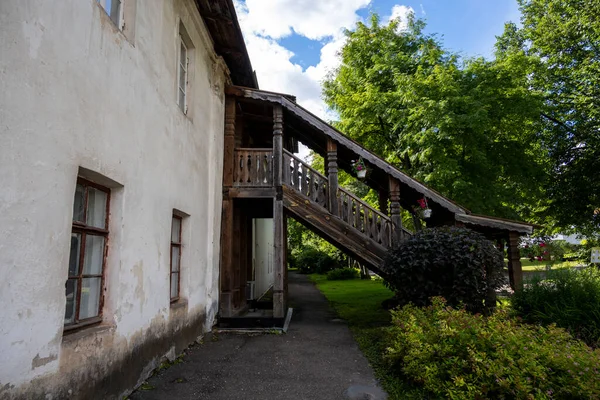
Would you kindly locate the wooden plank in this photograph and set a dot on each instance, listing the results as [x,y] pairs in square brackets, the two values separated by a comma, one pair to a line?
[286,169]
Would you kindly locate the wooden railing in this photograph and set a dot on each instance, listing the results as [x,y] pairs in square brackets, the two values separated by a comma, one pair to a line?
[253,168]
[303,178]
[365,218]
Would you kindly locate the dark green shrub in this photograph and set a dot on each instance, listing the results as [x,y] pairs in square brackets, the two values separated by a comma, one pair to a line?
[312,260]
[343,274]
[457,355]
[456,263]
[568,298]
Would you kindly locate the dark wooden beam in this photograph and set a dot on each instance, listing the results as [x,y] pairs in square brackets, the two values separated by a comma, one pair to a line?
[279,295]
[515,270]
[332,176]
[395,211]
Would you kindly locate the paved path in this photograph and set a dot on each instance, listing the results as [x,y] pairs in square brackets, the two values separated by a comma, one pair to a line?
[316,359]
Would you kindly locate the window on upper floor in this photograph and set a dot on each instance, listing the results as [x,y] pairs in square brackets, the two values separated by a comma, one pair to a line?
[182,80]
[89,235]
[185,50]
[175,270]
[114,9]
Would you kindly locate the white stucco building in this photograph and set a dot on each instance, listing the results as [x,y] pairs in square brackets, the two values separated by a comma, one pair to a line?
[111,153]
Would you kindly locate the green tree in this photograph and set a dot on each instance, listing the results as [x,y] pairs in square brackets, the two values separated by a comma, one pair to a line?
[562,41]
[465,127]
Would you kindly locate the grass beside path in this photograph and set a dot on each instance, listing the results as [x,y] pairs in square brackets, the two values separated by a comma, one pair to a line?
[359,303]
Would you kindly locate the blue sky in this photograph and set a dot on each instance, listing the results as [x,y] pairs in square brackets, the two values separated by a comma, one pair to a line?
[466,26]
[293,43]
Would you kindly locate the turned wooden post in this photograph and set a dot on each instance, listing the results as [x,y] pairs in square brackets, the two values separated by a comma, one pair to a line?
[226,275]
[332,176]
[279,295]
[395,211]
[515,271]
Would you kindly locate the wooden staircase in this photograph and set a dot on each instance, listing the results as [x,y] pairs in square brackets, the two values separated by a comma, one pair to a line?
[352,225]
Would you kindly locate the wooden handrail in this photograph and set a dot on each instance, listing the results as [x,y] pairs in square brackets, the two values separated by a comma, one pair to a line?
[304,164]
[364,204]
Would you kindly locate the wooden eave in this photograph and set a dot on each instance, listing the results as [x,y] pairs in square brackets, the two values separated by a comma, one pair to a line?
[496,223]
[222,23]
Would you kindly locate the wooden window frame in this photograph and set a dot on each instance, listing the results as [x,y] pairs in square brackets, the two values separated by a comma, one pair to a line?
[177,245]
[116,15]
[84,230]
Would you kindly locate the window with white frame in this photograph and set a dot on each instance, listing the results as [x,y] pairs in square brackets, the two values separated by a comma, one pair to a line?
[114,9]
[182,81]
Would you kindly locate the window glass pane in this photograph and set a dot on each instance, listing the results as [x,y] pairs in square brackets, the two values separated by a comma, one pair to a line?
[182,54]
[78,203]
[74,254]
[174,285]
[174,258]
[182,78]
[115,10]
[90,297]
[94,254]
[71,293]
[181,100]
[96,211]
[175,230]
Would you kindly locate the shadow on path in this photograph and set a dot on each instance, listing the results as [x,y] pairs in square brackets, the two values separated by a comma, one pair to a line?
[316,359]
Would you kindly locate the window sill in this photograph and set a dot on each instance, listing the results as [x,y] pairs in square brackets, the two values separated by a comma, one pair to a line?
[179,303]
[80,332]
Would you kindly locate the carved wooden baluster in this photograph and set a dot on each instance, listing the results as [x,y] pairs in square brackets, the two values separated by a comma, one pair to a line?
[311,186]
[366,225]
[304,180]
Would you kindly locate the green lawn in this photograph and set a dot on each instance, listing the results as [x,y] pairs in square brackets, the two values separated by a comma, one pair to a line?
[534,265]
[359,303]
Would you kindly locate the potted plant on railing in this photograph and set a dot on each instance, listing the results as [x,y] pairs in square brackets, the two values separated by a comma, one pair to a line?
[360,168]
[424,209]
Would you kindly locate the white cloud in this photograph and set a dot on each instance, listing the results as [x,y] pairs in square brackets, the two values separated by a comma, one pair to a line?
[265,21]
[314,19]
[401,13]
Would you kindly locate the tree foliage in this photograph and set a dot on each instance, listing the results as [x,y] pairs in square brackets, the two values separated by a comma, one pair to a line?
[462,126]
[515,135]
[562,41]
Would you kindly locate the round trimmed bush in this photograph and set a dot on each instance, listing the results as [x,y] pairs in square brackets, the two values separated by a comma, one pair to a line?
[457,264]
[343,274]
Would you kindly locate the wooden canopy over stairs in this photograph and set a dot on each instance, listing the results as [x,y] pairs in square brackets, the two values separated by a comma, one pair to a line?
[262,131]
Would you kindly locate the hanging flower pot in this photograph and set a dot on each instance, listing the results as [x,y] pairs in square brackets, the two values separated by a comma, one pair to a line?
[424,208]
[360,168]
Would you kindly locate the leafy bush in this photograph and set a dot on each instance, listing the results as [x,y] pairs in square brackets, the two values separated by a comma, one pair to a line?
[312,260]
[343,274]
[568,298]
[454,354]
[456,263]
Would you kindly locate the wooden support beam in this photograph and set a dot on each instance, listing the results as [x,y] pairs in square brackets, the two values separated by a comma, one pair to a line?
[226,273]
[332,176]
[395,211]
[515,271]
[279,287]
[229,141]
[227,218]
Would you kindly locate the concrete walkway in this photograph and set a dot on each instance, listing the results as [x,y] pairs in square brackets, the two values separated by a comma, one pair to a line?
[316,359]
